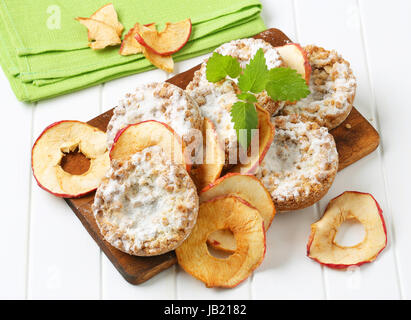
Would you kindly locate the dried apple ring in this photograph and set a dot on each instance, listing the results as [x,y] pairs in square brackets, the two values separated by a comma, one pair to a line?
[322,246]
[246,187]
[245,223]
[61,138]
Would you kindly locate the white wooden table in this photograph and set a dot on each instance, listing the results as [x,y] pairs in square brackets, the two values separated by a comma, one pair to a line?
[46,252]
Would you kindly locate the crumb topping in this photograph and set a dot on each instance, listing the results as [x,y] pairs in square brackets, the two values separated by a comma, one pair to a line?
[146,205]
[301,159]
[332,87]
[163,102]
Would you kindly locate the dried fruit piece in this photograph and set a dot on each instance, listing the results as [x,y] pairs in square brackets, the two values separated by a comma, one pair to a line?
[108,15]
[170,40]
[54,143]
[102,35]
[265,135]
[165,63]
[295,57]
[245,223]
[137,137]
[213,157]
[130,45]
[322,246]
[245,187]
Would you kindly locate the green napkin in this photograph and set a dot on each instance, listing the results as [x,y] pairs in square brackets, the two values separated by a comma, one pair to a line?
[44,51]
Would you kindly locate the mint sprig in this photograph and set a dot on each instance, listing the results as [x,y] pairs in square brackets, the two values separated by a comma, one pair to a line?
[281,84]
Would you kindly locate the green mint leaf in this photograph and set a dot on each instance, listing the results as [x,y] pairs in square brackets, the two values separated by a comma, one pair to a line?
[286,84]
[255,75]
[249,97]
[244,116]
[219,67]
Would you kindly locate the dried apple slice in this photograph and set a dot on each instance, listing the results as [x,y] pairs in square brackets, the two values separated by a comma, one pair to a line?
[213,157]
[108,15]
[266,136]
[102,35]
[322,246]
[246,187]
[246,224]
[137,137]
[165,63]
[54,143]
[170,40]
[295,57]
[130,45]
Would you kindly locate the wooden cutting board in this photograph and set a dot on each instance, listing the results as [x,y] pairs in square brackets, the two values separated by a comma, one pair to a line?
[352,144]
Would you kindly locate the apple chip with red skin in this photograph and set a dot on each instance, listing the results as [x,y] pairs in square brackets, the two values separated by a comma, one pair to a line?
[165,63]
[322,246]
[54,143]
[295,57]
[170,40]
[266,132]
[213,157]
[130,45]
[245,223]
[137,137]
[246,187]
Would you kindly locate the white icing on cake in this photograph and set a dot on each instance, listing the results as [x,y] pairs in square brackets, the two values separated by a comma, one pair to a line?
[146,205]
[163,102]
[301,158]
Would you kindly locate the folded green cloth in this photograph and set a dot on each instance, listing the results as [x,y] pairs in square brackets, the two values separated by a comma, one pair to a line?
[44,52]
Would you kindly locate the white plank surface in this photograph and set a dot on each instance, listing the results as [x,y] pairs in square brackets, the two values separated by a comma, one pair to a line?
[50,255]
[286,272]
[14,190]
[64,262]
[391,86]
[340,29]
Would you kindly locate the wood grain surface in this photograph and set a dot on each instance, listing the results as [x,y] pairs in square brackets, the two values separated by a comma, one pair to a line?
[354,142]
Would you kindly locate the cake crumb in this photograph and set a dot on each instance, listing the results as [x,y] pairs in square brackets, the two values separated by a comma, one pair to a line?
[348,126]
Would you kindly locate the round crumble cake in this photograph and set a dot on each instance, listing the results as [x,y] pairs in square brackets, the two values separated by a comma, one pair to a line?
[332,87]
[300,165]
[244,50]
[147,205]
[163,102]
